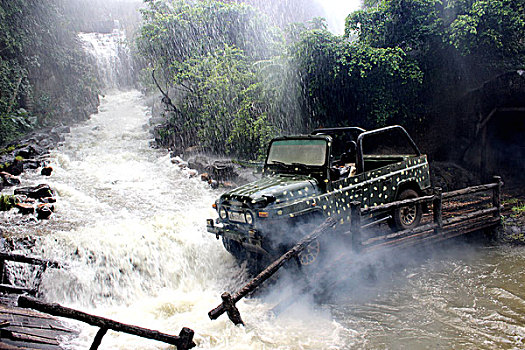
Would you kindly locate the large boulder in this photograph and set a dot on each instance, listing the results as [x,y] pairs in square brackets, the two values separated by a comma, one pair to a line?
[36,192]
[8,179]
[450,176]
[15,168]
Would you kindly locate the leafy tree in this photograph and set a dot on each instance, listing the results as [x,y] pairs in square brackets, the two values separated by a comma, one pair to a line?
[45,76]
[456,43]
[353,83]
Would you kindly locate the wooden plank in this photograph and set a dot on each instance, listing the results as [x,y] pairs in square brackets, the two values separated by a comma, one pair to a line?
[29,329]
[468,190]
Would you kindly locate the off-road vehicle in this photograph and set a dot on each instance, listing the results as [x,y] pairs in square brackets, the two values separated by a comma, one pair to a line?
[307,178]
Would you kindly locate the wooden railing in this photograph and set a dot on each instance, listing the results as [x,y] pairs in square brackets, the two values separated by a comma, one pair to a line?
[183,341]
[42,264]
[468,222]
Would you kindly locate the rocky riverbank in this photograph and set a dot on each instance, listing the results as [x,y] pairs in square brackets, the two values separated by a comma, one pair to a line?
[29,153]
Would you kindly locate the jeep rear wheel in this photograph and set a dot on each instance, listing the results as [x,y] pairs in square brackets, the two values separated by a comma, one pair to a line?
[409,216]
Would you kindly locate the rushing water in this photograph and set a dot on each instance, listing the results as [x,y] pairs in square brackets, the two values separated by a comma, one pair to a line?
[131,227]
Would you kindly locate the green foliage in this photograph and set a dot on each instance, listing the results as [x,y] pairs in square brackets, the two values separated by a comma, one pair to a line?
[206,51]
[235,81]
[221,107]
[7,202]
[40,61]
[182,29]
[352,82]
[457,44]
[492,30]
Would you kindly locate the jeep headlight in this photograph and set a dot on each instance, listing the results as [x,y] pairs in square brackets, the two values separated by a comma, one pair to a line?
[248,218]
[223,214]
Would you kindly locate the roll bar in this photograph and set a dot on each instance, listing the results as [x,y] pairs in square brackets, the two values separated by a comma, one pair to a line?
[360,161]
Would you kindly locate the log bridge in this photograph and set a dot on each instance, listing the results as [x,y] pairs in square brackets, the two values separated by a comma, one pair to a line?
[453,214]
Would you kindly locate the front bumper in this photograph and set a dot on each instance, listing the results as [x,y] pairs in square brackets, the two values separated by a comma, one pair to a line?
[251,240]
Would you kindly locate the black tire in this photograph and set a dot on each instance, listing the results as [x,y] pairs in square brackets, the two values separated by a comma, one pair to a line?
[255,263]
[407,217]
[235,249]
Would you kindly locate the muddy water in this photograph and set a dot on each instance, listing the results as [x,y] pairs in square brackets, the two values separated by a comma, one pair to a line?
[131,226]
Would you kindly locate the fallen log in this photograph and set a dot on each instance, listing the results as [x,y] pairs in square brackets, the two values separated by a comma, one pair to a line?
[182,342]
[229,301]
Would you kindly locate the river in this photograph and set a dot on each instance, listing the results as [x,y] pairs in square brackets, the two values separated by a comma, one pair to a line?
[131,227]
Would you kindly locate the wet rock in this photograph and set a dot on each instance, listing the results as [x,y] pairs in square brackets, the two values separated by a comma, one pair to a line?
[31,164]
[221,170]
[214,183]
[46,171]
[48,200]
[8,179]
[44,211]
[205,177]
[450,176]
[30,151]
[25,208]
[39,191]
[16,168]
[193,173]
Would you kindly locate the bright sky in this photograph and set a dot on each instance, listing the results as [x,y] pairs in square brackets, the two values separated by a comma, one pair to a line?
[336,12]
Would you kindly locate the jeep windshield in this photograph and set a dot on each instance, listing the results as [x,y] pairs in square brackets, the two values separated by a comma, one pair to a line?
[307,152]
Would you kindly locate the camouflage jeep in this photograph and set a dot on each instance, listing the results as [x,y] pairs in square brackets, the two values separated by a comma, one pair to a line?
[307,178]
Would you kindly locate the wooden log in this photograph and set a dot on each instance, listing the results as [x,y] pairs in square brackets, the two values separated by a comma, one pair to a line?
[469,216]
[468,190]
[231,310]
[437,209]
[182,342]
[8,288]
[330,223]
[30,260]
[355,225]
[496,195]
[427,227]
[98,338]
[397,204]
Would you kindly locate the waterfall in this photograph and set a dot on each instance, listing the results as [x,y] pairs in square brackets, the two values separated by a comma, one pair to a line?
[112,56]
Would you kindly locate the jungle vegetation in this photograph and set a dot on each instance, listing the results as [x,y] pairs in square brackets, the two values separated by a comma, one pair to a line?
[46,78]
[235,79]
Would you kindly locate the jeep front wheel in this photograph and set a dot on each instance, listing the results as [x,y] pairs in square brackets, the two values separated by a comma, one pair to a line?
[409,216]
